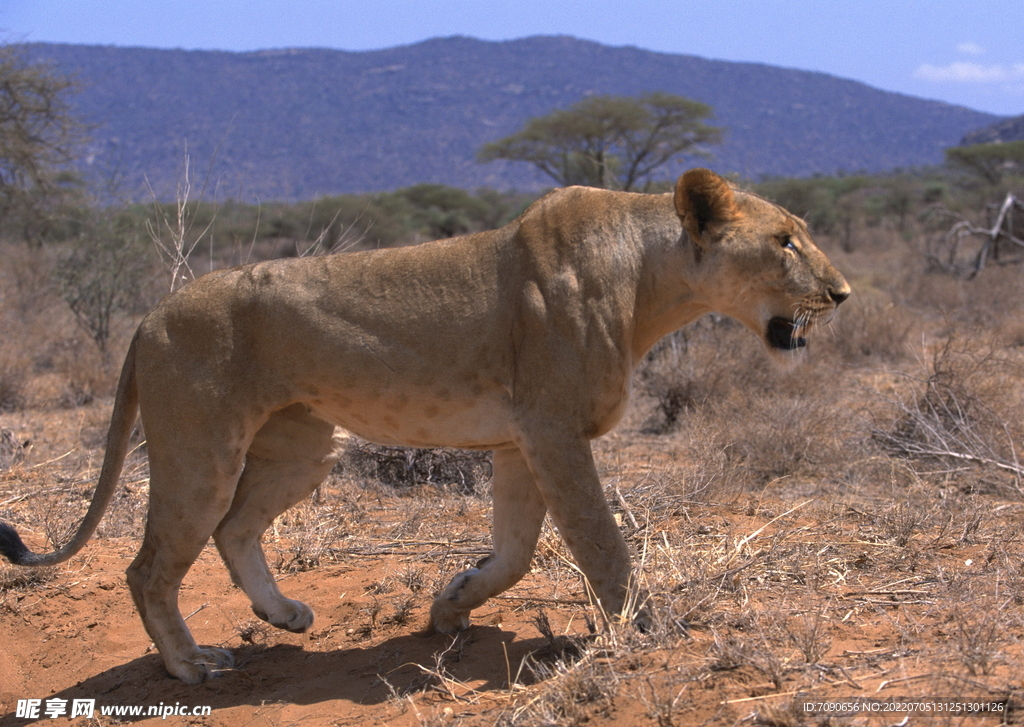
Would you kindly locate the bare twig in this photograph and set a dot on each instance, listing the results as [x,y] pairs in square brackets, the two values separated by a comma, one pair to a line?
[177,249]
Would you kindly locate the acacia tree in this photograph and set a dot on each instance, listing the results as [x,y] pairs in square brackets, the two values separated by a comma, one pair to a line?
[38,134]
[989,161]
[610,141]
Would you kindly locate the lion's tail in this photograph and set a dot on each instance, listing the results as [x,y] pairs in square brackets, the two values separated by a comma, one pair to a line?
[126,404]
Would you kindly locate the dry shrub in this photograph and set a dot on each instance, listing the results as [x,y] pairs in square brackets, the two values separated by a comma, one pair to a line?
[869,328]
[565,648]
[27,275]
[405,467]
[313,529]
[572,690]
[1008,568]
[993,302]
[126,516]
[934,292]
[729,652]
[104,273]
[809,634]
[12,451]
[766,437]
[661,497]
[12,387]
[45,360]
[737,415]
[16,580]
[687,590]
[58,513]
[785,713]
[660,707]
[83,374]
[779,436]
[961,415]
[987,303]
[901,520]
[700,365]
[979,636]
[881,474]
[20,290]
[336,521]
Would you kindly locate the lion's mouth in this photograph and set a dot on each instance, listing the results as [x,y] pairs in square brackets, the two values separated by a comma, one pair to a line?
[784,334]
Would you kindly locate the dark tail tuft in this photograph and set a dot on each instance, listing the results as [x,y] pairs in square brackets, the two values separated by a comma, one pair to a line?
[11,545]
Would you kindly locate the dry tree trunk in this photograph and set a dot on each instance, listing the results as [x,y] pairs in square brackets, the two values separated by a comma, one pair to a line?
[1001,233]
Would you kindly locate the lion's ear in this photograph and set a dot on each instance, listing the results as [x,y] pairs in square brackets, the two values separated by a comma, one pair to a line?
[703,200]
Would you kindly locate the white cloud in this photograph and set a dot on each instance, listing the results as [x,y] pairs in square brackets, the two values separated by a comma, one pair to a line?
[966,72]
[972,49]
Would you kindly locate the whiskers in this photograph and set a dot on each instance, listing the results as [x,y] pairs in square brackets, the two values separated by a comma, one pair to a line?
[810,314]
[803,320]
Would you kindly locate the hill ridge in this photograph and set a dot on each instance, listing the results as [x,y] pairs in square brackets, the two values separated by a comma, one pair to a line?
[295,123]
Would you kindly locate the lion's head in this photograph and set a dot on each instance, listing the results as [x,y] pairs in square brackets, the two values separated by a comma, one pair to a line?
[756,261]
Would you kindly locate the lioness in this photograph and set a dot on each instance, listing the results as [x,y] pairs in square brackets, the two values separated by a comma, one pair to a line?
[521,340]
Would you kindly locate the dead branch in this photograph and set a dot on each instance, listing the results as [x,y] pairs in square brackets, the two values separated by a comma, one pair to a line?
[999,235]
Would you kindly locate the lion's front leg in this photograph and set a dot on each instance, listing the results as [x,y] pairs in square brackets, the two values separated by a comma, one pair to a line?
[518,514]
[568,481]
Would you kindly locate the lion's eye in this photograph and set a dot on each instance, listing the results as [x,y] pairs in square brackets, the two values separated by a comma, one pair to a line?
[787,243]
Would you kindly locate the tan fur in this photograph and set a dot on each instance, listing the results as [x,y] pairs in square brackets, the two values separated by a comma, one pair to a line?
[521,340]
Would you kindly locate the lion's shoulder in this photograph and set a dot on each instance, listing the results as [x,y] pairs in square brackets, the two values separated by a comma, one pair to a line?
[575,217]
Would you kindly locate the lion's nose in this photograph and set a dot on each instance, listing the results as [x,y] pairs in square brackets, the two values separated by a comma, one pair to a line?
[838,296]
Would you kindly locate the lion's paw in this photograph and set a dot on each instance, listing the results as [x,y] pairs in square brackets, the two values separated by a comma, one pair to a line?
[445,618]
[294,616]
[448,614]
[205,664]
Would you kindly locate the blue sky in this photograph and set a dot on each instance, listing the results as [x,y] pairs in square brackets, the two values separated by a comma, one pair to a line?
[968,53]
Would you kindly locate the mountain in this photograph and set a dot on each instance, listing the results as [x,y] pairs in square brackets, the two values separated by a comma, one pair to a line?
[1002,131]
[294,124]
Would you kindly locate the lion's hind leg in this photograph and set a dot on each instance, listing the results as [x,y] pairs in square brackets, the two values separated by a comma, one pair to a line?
[188,497]
[518,516]
[291,454]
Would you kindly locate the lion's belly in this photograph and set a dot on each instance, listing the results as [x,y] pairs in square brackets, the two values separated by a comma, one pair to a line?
[421,420]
